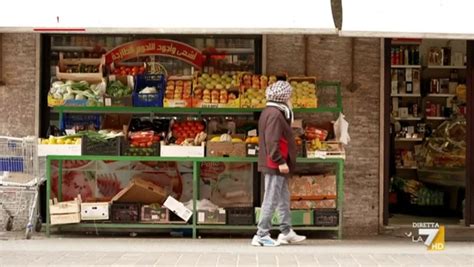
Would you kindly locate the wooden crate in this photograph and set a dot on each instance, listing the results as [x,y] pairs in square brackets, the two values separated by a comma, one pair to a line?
[65,207]
[65,218]
[89,77]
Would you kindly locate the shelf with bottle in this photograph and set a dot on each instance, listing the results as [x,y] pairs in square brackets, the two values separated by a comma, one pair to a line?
[405,95]
[419,139]
[436,118]
[409,118]
[405,56]
[440,95]
[451,67]
[406,167]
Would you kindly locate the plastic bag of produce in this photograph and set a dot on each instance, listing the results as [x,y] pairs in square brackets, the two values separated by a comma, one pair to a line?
[341,130]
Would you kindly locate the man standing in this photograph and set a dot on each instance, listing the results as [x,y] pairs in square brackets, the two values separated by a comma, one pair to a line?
[276,160]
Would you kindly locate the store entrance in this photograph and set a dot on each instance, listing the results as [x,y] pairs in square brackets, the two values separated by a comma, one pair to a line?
[426,132]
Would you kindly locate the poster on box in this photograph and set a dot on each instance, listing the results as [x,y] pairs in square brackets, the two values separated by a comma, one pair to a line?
[227,184]
[110,183]
[75,182]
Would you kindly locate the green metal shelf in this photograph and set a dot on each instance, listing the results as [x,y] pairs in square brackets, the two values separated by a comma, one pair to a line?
[194,226]
[254,227]
[126,225]
[185,159]
[162,110]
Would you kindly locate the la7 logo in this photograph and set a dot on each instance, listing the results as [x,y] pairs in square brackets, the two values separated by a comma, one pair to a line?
[431,233]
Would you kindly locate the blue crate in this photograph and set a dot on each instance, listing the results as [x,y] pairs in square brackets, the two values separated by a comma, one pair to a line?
[149,100]
[152,80]
[11,164]
[71,120]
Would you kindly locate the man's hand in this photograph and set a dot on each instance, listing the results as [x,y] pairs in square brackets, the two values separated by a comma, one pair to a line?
[284,168]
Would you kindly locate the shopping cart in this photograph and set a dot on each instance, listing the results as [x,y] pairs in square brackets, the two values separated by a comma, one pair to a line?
[20,179]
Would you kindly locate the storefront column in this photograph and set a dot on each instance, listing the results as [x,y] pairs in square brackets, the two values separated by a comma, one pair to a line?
[385,116]
[469,205]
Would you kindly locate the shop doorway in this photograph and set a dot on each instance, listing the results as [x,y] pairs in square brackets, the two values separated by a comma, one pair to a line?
[427,131]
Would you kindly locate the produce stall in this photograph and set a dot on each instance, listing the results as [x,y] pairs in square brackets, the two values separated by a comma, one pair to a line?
[155,145]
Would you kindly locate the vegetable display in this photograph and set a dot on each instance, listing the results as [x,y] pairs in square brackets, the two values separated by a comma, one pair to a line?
[82,90]
[118,89]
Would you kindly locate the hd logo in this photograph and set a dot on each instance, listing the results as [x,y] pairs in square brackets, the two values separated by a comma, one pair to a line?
[431,234]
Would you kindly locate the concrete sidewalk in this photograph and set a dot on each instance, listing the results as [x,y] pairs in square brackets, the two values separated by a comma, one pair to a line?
[126,251]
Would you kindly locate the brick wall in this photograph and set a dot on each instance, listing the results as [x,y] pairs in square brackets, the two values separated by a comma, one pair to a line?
[17,97]
[329,58]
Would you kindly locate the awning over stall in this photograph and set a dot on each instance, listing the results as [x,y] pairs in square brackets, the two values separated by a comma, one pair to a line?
[447,19]
[176,16]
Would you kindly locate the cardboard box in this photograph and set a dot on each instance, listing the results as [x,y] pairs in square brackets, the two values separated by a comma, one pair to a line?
[95,211]
[141,191]
[226,149]
[69,218]
[178,208]
[178,92]
[217,216]
[151,214]
[313,204]
[323,186]
[182,151]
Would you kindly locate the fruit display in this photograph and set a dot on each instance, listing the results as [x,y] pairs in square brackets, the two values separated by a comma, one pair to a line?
[61,140]
[73,93]
[216,91]
[178,92]
[130,70]
[187,133]
[304,92]
[252,140]
[80,69]
[143,143]
[253,90]
[226,138]
[312,133]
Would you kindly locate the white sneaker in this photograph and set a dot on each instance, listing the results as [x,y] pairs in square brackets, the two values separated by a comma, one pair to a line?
[265,241]
[291,237]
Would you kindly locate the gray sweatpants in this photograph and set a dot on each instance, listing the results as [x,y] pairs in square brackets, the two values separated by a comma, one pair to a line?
[277,196]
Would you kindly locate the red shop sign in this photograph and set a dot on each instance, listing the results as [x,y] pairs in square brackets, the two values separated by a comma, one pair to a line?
[160,47]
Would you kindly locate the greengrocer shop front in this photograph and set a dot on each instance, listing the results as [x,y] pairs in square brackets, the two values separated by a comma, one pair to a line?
[151,125]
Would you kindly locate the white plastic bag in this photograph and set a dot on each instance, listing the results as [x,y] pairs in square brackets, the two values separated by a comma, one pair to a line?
[341,130]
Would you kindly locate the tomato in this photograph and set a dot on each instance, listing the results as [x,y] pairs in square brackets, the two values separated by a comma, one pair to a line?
[135,69]
[200,127]
[141,69]
[186,128]
[142,144]
[122,67]
[194,128]
[156,138]
[149,144]
[123,73]
[190,123]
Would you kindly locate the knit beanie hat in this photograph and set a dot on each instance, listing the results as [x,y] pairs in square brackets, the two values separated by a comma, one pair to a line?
[279,91]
